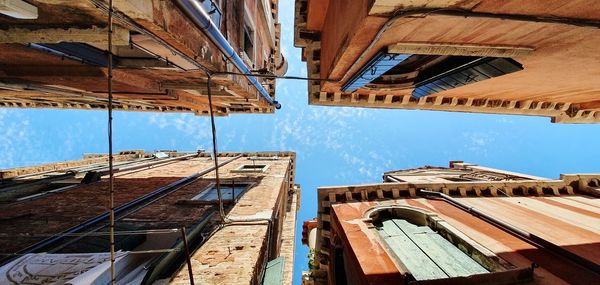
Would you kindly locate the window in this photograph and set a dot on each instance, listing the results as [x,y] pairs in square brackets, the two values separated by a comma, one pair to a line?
[248,37]
[425,253]
[213,11]
[424,248]
[457,71]
[229,191]
[251,168]
[428,73]
[381,63]
[249,42]
[263,158]
[459,179]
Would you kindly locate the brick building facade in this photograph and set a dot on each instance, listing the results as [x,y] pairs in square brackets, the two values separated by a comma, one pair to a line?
[55,55]
[54,219]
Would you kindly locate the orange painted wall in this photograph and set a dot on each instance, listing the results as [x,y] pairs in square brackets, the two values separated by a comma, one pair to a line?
[343,19]
[317,13]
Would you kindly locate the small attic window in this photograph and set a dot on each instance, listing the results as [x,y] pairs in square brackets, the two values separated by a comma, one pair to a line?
[263,158]
[251,168]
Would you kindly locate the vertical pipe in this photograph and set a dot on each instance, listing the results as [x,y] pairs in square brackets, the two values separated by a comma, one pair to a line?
[214,142]
[111,178]
[187,255]
[193,9]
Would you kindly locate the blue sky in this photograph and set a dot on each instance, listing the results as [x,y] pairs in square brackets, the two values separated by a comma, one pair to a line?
[335,146]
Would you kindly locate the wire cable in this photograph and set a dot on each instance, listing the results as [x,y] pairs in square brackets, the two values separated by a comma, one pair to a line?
[273,76]
[166,250]
[215,152]
[94,234]
[111,179]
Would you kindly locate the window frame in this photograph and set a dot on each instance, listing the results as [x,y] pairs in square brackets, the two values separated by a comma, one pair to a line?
[240,169]
[496,265]
[207,191]
[423,246]
[249,24]
[213,9]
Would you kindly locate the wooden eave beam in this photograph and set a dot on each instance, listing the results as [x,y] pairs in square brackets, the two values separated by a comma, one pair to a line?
[93,35]
[459,49]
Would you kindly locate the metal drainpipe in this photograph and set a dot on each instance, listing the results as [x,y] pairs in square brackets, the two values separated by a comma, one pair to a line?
[519,233]
[161,265]
[391,178]
[196,13]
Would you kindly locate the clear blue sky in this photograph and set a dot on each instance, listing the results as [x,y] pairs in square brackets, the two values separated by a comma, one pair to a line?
[335,146]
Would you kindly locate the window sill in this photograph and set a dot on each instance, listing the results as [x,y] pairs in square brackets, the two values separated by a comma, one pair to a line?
[246,59]
[203,202]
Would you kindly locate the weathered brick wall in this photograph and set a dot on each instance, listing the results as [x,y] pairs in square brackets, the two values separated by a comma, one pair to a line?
[235,253]
[9,173]
[231,256]
[159,27]
[288,237]
[57,212]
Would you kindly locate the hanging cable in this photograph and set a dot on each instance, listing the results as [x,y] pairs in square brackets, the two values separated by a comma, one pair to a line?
[273,76]
[215,153]
[111,178]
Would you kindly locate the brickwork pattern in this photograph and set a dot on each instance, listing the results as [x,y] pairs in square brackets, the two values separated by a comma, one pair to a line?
[288,239]
[234,254]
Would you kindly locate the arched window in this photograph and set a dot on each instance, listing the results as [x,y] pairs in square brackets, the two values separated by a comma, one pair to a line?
[419,249]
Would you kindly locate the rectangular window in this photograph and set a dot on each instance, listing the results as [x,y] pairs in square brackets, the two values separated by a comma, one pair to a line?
[249,42]
[457,71]
[381,63]
[263,158]
[459,179]
[251,168]
[212,9]
[248,35]
[229,191]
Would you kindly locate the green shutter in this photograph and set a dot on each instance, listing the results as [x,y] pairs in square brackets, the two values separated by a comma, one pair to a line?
[425,253]
[274,272]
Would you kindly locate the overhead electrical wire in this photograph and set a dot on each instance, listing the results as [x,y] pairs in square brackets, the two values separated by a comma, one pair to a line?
[209,73]
[213,132]
[273,76]
[215,152]
[111,179]
[110,106]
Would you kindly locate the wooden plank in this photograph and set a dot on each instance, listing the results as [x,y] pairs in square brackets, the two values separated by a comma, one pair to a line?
[460,49]
[409,254]
[390,6]
[467,265]
[93,35]
[444,254]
